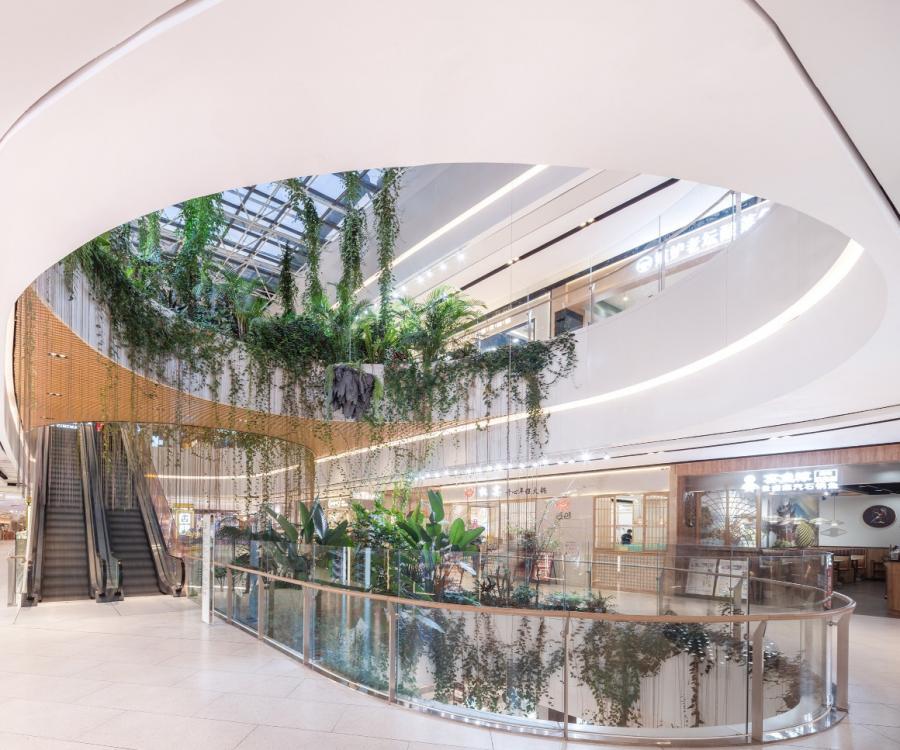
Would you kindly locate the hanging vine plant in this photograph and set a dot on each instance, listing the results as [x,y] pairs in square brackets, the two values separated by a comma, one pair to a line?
[185,307]
[352,237]
[387,230]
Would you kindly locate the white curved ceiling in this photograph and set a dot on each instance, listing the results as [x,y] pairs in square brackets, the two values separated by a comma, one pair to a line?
[702,90]
[42,42]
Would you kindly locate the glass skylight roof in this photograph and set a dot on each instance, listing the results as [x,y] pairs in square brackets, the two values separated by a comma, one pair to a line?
[259,224]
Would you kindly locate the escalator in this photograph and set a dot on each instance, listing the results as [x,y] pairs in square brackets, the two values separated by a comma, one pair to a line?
[65,572]
[95,531]
[127,534]
[136,536]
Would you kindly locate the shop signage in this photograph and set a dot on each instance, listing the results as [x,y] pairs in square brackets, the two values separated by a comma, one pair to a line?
[529,491]
[699,242]
[799,480]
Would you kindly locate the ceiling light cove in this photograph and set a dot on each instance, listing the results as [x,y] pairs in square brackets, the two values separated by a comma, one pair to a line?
[821,289]
[464,216]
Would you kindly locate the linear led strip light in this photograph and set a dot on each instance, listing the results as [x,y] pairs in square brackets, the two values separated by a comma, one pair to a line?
[464,216]
[821,289]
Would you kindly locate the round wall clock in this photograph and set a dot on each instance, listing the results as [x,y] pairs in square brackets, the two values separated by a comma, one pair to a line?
[879,516]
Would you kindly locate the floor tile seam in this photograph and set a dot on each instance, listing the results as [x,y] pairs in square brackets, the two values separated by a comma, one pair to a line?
[247,736]
[213,667]
[218,695]
[251,730]
[378,737]
[142,636]
[76,742]
[875,728]
[76,702]
[151,714]
[130,682]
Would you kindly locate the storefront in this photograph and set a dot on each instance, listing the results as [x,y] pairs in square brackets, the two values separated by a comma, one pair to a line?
[566,528]
[844,501]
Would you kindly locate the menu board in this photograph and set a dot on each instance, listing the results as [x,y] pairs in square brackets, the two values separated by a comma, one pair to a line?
[701,579]
[708,576]
[731,570]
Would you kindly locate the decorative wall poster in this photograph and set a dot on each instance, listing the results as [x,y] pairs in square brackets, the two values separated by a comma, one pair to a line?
[731,571]
[701,579]
[879,516]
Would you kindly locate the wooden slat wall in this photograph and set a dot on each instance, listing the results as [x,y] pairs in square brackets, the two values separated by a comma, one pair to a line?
[86,386]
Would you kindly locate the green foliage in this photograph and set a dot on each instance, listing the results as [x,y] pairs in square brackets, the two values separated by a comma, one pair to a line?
[352,238]
[239,302]
[304,208]
[185,307]
[287,289]
[431,535]
[314,528]
[611,659]
[427,327]
[148,333]
[378,527]
[387,229]
[202,221]
[473,667]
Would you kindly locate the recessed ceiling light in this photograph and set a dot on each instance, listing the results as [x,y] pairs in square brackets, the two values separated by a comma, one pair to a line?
[57,355]
[54,393]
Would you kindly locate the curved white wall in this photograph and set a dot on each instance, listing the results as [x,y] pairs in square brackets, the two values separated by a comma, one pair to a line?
[604,85]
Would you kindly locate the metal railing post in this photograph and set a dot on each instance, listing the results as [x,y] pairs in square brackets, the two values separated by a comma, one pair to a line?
[262,608]
[309,603]
[757,713]
[842,697]
[229,595]
[11,581]
[565,643]
[393,656]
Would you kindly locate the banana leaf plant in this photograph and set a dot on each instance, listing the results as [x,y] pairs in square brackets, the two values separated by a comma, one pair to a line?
[313,527]
[436,568]
[286,546]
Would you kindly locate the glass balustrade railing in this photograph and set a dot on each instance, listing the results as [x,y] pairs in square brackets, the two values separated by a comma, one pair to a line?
[686,580]
[15,579]
[634,269]
[682,653]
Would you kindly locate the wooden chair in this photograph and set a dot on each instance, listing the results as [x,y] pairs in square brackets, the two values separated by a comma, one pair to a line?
[858,566]
[842,569]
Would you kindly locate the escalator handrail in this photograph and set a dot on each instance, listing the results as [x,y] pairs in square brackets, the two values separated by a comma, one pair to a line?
[164,561]
[35,551]
[103,563]
[92,529]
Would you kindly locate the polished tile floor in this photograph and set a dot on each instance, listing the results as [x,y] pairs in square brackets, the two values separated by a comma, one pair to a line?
[147,674]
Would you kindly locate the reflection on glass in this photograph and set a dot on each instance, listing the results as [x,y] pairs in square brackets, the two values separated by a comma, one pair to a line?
[684,675]
[285,615]
[481,663]
[351,638]
[245,604]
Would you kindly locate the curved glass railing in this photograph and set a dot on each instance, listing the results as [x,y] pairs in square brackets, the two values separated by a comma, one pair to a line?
[634,269]
[753,659]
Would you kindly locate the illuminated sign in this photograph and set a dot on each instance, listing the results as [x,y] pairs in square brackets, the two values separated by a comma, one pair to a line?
[801,480]
[702,241]
[184,522]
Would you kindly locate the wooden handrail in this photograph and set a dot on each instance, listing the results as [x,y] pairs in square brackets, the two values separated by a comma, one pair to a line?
[829,614]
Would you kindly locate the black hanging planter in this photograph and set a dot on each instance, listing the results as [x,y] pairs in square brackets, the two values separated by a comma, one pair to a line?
[352,391]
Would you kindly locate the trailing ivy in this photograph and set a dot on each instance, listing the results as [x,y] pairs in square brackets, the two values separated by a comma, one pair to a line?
[287,289]
[387,229]
[188,309]
[352,238]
